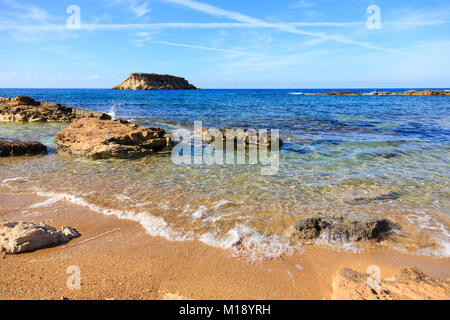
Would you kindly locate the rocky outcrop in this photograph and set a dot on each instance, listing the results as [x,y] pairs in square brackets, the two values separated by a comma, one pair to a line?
[99,139]
[238,136]
[381,93]
[153,81]
[26,109]
[408,284]
[10,148]
[18,237]
[355,227]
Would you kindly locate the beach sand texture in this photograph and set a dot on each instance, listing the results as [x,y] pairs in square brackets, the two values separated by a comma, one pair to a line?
[117,259]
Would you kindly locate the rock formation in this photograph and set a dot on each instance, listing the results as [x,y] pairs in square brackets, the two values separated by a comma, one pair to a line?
[381,93]
[238,136]
[9,148]
[408,284]
[18,237]
[98,139]
[153,81]
[26,109]
[356,227]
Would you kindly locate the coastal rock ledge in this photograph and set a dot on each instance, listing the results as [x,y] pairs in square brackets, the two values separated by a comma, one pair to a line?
[408,284]
[15,148]
[26,109]
[18,237]
[101,139]
[153,81]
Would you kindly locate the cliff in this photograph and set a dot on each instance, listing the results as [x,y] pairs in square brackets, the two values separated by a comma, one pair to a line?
[152,81]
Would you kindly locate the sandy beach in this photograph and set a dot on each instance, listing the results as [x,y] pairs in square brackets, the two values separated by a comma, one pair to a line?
[119,260]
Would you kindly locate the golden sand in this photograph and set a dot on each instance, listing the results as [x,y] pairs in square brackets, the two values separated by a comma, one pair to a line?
[119,260]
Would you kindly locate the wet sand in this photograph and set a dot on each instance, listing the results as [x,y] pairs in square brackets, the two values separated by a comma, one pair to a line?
[119,260]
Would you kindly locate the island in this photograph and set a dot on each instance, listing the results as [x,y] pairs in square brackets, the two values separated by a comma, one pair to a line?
[153,81]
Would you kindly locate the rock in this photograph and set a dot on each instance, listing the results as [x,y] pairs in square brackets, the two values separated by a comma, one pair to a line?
[408,284]
[9,148]
[240,135]
[356,227]
[153,81]
[18,237]
[383,93]
[99,139]
[26,109]
[380,197]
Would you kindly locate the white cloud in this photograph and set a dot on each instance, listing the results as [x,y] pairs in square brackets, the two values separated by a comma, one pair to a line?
[139,8]
[211,49]
[302,4]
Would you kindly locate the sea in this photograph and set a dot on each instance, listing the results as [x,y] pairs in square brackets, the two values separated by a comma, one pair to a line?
[382,155]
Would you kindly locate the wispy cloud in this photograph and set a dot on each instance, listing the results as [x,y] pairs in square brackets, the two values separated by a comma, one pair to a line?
[302,4]
[139,8]
[211,49]
[236,16]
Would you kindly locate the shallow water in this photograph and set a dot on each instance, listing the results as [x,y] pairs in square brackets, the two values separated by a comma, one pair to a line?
[387,155]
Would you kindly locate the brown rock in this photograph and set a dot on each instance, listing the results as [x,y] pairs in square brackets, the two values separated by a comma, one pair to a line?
[152,81]
[18,237]
[26,109]
[385,93]
[408,284]
[97,139]
[9,148]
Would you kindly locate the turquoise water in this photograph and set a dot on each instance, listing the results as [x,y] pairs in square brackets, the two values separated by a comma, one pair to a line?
[341,154]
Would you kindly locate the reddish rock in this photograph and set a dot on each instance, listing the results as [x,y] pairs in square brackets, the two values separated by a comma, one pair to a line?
[97,139]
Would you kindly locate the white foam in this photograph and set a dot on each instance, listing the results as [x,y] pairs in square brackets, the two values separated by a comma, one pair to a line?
[112,112]
[221,203]
[336,241]
[249,243]
[427,222]
[155,226]
[243,240]
[45,203]
[5,184]
[199,214]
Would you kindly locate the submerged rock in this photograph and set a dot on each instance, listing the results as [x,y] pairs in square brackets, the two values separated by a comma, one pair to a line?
[18,237]
[152,81]
[380,197]
[10,148]
[408,284]
[26,109]
[356,227]
[238,136]
[99,139]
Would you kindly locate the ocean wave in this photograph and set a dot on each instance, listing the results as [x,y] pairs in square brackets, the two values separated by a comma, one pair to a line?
[242,240]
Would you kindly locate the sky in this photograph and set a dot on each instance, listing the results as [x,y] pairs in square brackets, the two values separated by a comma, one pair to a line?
[226,43]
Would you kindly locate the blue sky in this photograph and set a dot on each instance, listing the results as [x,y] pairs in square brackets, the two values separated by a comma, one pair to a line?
[226,43]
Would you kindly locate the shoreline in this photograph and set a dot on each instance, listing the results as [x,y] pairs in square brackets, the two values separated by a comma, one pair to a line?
[119,260]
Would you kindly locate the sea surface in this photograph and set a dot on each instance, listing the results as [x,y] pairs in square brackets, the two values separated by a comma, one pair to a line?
[385,155]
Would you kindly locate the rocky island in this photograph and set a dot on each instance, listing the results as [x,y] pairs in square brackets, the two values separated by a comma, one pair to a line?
[153,81]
